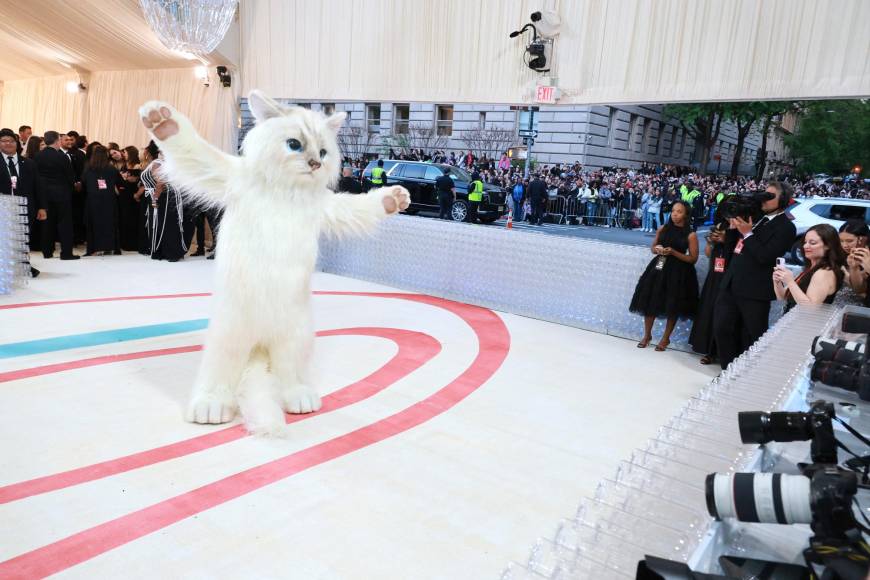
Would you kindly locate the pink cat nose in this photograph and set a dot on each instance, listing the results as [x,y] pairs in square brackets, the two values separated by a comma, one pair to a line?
[314,165]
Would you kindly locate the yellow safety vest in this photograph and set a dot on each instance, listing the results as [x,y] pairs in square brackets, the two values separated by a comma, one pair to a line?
[378,175]
[476,191]
[720,197]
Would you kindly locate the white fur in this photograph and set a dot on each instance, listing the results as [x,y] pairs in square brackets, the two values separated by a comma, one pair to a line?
[260,336]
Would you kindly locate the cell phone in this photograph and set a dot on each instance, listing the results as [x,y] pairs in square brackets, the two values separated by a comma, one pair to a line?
[780,262]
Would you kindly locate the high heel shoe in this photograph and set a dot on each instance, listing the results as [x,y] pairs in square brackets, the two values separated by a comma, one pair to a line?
[644,342]
[662,346]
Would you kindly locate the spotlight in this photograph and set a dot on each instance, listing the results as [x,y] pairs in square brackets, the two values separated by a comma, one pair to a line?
[224,76]
[73,87]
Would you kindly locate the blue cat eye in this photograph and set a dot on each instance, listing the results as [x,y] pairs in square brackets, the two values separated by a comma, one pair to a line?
[294,145]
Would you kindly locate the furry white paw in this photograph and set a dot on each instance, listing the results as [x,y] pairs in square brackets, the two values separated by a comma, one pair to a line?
[395,198]
[160,118]
[300,399]
[210,409]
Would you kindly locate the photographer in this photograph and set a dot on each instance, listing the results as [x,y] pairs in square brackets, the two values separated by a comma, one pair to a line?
[853,238]
[743,307]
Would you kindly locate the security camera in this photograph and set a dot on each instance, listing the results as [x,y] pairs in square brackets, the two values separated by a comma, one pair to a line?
[547,22]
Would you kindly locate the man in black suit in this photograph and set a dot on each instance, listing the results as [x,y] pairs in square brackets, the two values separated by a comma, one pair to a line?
[68,145]
[18,177]
[446,190]
[347,183]
[538,197]
[746,291]
[56,181]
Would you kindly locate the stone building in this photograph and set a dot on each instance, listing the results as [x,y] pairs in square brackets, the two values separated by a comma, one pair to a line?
[595,136]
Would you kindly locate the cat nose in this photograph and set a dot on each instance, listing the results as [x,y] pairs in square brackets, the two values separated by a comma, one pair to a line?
[314,165]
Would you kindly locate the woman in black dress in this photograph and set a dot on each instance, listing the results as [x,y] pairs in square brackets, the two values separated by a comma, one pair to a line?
[166,217]
[143,219]
[129,218]
[100,181]
[669,285]
[721,242]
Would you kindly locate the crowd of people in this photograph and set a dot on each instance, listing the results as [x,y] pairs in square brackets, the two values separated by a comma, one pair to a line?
[110,199]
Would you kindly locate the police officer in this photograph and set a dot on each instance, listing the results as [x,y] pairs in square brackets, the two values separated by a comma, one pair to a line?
[475,196]
[378,174]
[446,193]
[538,197]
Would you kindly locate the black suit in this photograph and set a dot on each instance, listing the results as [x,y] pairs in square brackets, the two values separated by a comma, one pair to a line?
[743,305]
[77,160]
[538,197]
[55,182]
[26,186]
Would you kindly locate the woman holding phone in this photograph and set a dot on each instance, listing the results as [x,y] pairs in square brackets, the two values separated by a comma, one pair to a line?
[823,273]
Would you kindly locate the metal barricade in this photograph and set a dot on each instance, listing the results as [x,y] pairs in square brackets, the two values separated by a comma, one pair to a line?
[556,209]
[573,210]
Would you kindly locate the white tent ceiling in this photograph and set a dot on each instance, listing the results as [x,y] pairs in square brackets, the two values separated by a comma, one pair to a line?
[36,36]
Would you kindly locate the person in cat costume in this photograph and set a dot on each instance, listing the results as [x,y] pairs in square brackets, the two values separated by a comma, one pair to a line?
[277,201]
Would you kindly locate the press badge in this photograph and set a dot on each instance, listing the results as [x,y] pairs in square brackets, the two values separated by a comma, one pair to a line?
[719,265]
[739,247]
[101,184]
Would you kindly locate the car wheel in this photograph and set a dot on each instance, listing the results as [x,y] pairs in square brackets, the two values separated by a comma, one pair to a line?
[796,255]
[459,211]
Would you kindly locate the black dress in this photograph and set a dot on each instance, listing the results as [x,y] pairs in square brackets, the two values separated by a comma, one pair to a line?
[101,216]
[130,218]
[702,338]
[166,222]
[672,290]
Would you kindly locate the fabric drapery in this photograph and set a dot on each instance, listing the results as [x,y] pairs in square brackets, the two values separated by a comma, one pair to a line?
[108,109]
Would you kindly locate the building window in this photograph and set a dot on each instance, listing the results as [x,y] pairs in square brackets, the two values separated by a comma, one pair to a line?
[632,125]
[524,121]
[660,130]
[444,119]
[672,146]
[682,143]
[645,141]
[373,118]
[327,108]
[611,129]
[304,105]
[401,118]
[481,120]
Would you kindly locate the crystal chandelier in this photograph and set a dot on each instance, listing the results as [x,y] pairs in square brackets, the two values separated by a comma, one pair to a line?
[189,26]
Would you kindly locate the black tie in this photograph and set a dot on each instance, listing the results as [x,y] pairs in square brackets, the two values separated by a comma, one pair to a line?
[12,171]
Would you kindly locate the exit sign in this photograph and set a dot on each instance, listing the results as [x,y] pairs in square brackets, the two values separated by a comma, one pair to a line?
[546,94]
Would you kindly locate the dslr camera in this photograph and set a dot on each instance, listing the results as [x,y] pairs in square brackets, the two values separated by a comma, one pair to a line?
[745,205]
[843,364]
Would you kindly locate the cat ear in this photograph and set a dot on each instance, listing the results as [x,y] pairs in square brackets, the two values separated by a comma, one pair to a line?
[263,107]
[335,121]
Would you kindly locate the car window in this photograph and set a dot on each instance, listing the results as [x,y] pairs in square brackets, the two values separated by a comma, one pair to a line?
[456,173]
[414,171]
[433,173]
[847,212]
[821,209]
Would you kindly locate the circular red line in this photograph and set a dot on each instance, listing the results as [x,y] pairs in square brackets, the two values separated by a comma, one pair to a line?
[494,343]
[415,350]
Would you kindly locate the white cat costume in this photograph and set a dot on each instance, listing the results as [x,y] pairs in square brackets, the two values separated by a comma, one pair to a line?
[277,202]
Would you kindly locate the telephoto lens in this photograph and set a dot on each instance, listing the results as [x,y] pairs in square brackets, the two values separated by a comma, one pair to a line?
[768,498]
[835,374]
[828,348]
[816,425]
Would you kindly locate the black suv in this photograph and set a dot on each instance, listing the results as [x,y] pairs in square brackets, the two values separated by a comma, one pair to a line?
[419,179]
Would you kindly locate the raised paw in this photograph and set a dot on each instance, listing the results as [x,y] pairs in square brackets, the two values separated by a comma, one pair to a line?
[300,399]
[210,409]
[157,118]
[396,198]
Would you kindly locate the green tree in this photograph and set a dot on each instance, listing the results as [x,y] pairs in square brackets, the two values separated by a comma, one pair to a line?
[700,120]
[770,115]
[832,137]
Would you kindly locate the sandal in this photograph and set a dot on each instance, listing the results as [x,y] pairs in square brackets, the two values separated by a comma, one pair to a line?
[644,343]
[662,346]
[706,360]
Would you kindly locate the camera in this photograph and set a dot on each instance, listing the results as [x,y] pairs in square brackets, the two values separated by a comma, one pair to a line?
[816,425]
[745,205]
[842,363]
[823,500]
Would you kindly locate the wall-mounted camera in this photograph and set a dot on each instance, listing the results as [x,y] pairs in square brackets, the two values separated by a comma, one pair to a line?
[544,26]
